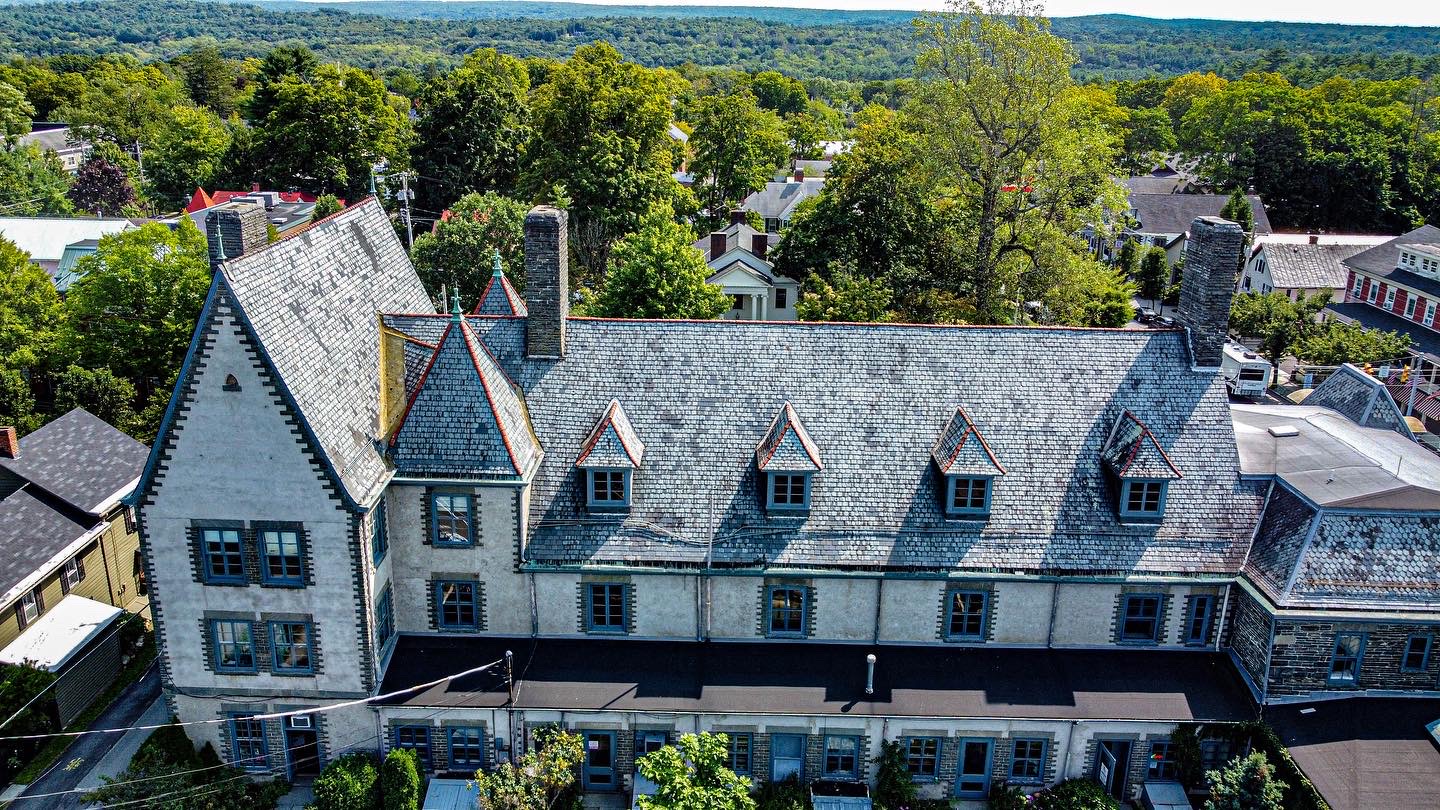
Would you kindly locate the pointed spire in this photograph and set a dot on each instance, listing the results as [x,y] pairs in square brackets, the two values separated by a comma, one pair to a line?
[455,305]
[498,271]
[500,297]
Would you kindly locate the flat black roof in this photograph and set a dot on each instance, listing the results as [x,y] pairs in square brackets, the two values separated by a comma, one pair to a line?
[801,677]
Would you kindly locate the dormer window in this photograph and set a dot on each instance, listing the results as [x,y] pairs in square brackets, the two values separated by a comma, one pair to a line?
[788,491]
[967,468]
[1141,467]
[786,460]
[609,489]
[609,455]
[1143,499]
[969,495]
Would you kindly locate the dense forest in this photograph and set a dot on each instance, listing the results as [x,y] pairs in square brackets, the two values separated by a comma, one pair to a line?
[854,46]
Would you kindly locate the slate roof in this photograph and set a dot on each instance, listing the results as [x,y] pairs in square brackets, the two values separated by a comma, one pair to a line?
[613,443]
[778,199]
[874,397]
[500,297]
[464,402]
[1382,261]
[80,459]
[787,446]
[312,301]
[962,450]
[1309,267]
[1173,213]
[1134,452]
[737,235]
[1360,398]
[33,529]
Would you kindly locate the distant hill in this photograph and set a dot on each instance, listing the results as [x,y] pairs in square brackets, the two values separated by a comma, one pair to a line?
[856,46]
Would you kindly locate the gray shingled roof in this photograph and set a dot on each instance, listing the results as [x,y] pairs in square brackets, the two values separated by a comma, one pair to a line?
[874,397]
[777,199]
[500,297]
[31,532]
[1382,261]
[80,459]
[311,300]
[613,443]
[1134,452]
[1173,213]
[962,450]
[1309,267]
[1360,398]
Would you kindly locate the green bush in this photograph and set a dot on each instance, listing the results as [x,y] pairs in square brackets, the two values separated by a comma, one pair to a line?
[894,789]
[351,782]
[1074,794]
[787,794]
[400,780]
[1006,797]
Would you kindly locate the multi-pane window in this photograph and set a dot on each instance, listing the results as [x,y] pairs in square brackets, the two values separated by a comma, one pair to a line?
[379,535]
[467,747]
[1345,662]
[223,559]
[787,610]
[1140,618]
[1162,762]
[1197,624]
[781,298]
[29,609]
[290,645]
[1417,653]
[966,615]
[234,646]
[741,744]
[1429,313]
[1214,753]
[1390,298]
[384,617]
[1359,285]
[969,495]
[450,519]
[608,488]
[1410,301]
[247,737]
[417,739]
[605,607]
[789,491]
[841,756]
[72,574]
[922,757]
[1373,293]
[1027,761]
[1143,499]
[455,605]
[280,557]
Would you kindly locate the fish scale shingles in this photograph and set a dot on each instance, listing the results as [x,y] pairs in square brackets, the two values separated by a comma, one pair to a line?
[701,396]
[1386,559]
[1279,540]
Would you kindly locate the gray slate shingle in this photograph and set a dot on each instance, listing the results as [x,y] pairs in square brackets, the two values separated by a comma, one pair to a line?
[1173,213]
[1309,267]
[31,532]
[80,459]
[1360,398]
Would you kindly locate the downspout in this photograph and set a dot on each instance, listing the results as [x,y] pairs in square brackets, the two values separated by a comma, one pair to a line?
[105,563]
[1070,750]
[534,609]
[879,600]
[1054,605]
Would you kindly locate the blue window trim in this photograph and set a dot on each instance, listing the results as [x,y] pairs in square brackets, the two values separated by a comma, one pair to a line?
[215,646]
[906,742]
[825,771]
[1331,678]
[1141,514]
[770,611]
[749,738]
[595,503]
[275,665]
[469,540]
[1424,658]
[450,732]
[804,743]
[590,626]
[770,504]
[205,557]
[950,594]
[429,748]
[379,534]
[1125,601]
[1155,766]
[385,608]
[262,763]
[474,604]
[953,482]
[1193,602]
[266,578]
[1038,779]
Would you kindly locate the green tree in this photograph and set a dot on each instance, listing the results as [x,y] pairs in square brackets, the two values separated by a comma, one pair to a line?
[19,683]
[1247,783]
[473,126]
[1277,321]
[1183,92]
[185,155]
[123,103]
[1237,209]
[780,93]
[737,147]
[538,779]
[894,786]
[1149,134]
[602,136]
[33,183]
[1333,343]
[351,782]
[209,78]
[30,311]
[656,272]
[325,205]
[99,392]
[102,188]
[294,63]
[458,253]
[15,115]
[17,401]
[692,775]
[1074,794]
[805,130]
[1154,273]
[400,780]
[1090,294]
[846,298]
[1127,261]
[167,773]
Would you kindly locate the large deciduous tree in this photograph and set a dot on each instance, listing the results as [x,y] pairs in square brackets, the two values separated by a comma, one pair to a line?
[33,183]
[15,114]
[656,272]
[473,127]
[102,188]
[692,775]
[186,154]
[458,252]
[1245,783]
[30,311]
[737,147]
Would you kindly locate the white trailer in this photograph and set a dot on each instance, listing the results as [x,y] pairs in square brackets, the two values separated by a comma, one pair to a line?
[1247,374]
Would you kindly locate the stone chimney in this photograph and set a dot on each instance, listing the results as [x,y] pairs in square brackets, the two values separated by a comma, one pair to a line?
[235,229]
[760,244]
[1212,255]
[1314,238]
[719,243]
[9,442]
[547,281]
[737,216]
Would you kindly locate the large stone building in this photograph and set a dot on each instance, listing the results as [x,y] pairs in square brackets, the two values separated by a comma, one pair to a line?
[649,528]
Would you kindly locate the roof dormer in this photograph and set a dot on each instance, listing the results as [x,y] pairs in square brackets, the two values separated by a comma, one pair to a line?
[967,468]
[1144,471]
[608,458]
[1421,259]
[786,459]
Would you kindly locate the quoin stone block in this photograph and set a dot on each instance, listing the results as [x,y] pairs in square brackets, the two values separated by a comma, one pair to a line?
[547,285]
[1212,258]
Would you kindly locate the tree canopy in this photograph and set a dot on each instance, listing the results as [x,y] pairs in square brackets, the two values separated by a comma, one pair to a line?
[692,774]
[474,124]
[738,145]
[656,272]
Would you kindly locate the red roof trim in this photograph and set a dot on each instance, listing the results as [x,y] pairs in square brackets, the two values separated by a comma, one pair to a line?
[971,430]
[419,385]
[1135,451]
[594,438]
[485,384]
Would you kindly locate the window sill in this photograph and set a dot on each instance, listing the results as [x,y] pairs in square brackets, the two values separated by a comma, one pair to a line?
[452,545]
[250,672]
[457,628]
[288,673]
[227,583]
[1138,642]
[963,640]
[603,631]
[282,584]
[774,634]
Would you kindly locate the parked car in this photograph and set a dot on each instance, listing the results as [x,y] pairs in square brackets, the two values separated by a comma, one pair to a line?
[1165,321]
[1146,315]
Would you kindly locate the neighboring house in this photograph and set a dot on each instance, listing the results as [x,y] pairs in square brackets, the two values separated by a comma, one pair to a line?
[737,257]
[1163,220]
[776,202]
[202,199]
[46,238]
[284,211]
[1298,265]
[1395,286]
[57,138]
[66,273]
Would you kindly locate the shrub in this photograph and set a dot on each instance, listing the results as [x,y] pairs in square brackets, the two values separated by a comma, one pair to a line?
[894,789]
[1006,797]
[1245,783]
[400,780]
[1074,794]
[787,794]
[351,782]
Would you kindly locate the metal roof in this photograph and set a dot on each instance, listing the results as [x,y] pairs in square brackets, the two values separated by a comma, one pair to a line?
[45,238]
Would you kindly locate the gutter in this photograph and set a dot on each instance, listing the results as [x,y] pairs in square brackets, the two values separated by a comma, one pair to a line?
[48,567]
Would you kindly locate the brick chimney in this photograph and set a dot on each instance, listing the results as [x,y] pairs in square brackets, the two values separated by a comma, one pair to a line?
[1211,257]
[235,229]
[547,281]
[719,243]
[9,442]
[760,244]
[737,216]
[799,175]
[1314,238]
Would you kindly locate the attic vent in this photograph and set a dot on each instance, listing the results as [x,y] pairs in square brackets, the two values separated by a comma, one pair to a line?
[1284,431]
[231,384]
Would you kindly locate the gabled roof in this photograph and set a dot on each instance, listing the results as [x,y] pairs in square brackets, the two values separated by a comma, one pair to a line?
[961,450]
[81,460]
[1308,267]
[33,529]
[1173,213]
[1383,261]
[465,417]
[778,199]
[1134,452]
[613,443]
[787,446]
[738,236]
[500,297]
[1360,398]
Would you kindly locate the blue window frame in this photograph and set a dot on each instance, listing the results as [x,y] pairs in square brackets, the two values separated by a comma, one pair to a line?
[787,491]
[742,744]
[966,613]
[1417,653]
[224,558]
[1027,761]
[1345,660]
[608,489]
[968,496]
[247,743]
[922,758]
[605,607]
[842,756]
[451,519]
[234,644]
[379,534]
[417,739]
[281,562]
[456,604]
[291,648]
[467,747]
[1198,620]
[1140,618]
[1143,498]
[787,757]
[1162,762]
[787,610]
[384,618]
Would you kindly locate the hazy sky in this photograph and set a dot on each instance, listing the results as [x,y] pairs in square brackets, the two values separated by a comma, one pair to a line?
[1375,12]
